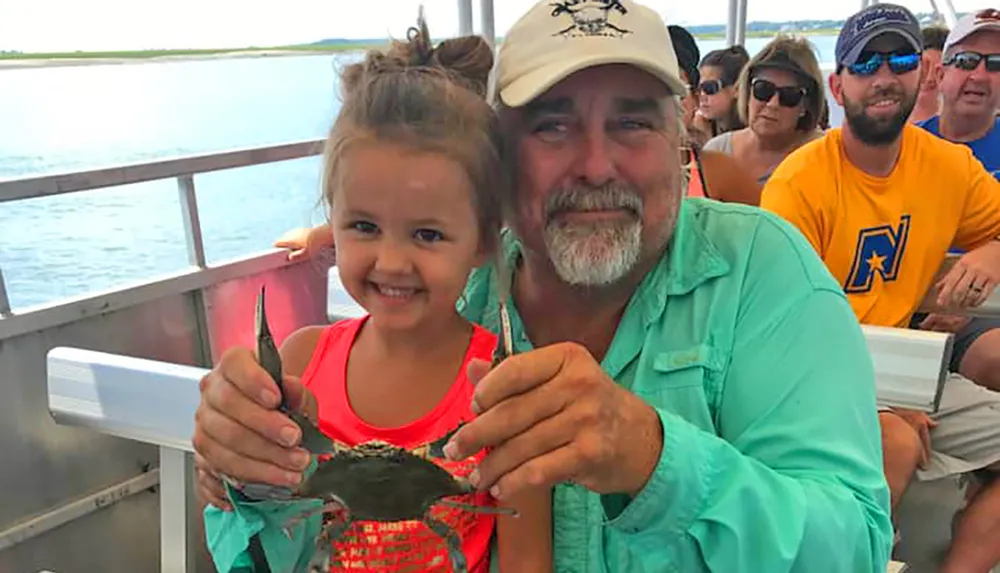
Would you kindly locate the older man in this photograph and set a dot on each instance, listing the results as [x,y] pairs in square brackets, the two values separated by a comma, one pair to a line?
[882,201]
[689,378]
[970,90]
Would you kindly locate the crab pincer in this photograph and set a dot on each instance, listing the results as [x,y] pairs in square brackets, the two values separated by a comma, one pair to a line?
[270,360]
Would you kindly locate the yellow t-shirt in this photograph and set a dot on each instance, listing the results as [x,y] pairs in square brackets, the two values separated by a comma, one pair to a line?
[884,238]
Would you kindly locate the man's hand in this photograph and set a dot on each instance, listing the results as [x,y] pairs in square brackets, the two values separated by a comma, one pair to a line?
[552,415]
[239,432]
[922,423]
[938,322]
[971,281]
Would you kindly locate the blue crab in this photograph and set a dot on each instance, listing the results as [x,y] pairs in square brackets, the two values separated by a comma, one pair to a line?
[373,481]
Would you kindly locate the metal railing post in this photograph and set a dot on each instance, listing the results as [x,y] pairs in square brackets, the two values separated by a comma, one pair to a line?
[464,17]
[192,222]
[486,22]
[950,17]
[731,22]
[4,301]
[177,536]
[196,257]
[741,22]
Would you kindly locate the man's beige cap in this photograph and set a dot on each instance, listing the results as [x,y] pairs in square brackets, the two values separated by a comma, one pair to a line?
[556,39]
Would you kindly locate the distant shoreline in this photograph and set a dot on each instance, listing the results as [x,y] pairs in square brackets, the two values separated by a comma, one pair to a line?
[29,61]
[16,60]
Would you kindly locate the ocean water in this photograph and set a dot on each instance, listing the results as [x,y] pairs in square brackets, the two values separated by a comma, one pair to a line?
[55,120]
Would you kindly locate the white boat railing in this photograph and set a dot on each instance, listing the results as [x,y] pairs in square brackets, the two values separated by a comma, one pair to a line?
[197,323]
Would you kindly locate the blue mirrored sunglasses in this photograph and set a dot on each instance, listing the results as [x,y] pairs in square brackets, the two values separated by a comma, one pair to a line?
[870,63]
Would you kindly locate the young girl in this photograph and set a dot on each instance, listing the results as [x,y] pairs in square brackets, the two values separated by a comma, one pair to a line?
[413,179]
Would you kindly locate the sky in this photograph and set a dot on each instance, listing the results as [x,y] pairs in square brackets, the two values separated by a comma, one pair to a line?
[90,25]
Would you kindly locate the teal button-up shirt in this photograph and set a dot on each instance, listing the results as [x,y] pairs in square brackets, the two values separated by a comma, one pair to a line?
[748,350]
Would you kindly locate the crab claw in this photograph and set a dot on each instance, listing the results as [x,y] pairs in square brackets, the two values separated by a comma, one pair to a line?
[435,449]
[313,440]
[267,350]
[505,339]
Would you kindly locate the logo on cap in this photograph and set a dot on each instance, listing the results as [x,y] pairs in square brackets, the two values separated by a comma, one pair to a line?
[590,18]
[988,15]
[881,16]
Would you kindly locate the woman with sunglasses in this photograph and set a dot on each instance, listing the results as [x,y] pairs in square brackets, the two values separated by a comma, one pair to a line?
[716,90]
[780,97]
[712,174]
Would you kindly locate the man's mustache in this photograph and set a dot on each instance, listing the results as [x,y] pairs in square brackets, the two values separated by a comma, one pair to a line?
[580,198]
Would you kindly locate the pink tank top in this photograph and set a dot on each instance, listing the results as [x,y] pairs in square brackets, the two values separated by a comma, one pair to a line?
[408,545]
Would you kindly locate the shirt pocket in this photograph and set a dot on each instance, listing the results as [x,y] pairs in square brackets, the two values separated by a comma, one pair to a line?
[681,382]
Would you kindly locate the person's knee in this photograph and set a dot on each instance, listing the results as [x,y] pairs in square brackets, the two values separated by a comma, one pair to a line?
[981,362]
[902,449]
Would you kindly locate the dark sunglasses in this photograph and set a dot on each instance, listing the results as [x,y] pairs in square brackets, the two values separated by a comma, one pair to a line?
[868,64]
[788,96]
[710,87]
[969,61]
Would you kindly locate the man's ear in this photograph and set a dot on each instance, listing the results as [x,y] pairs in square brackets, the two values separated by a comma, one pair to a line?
[937,74]
[837,88]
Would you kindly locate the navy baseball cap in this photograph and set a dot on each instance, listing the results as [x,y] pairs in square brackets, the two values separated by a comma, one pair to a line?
[688,54]
[873,21]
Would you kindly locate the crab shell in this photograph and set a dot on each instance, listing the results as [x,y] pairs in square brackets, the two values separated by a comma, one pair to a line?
[378,481]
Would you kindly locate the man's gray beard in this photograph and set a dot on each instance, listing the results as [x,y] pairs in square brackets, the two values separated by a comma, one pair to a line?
[594,254]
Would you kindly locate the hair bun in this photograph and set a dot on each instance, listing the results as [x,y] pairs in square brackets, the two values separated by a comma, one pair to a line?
[469,58]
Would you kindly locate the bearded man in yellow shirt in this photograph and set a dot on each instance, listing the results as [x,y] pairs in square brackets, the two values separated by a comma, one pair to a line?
[882,202]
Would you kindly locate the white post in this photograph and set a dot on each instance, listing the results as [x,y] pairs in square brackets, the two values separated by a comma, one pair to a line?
[464,17]
[741,22]
[192,221]
[486,24]
[732,21]
[4,300]
[949,14]
[177,538]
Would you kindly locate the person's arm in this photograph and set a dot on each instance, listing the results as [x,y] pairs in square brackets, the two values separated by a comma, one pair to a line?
[306,242]
[727,180]
[980,221]
[524,543]
[973,278]
[793,482]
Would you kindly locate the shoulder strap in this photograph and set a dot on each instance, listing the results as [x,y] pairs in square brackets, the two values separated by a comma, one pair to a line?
[701,171]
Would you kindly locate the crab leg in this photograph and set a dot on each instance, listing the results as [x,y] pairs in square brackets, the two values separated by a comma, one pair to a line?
[452,540]
[320,562]
[333,505]
[480,508]
[263,491]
